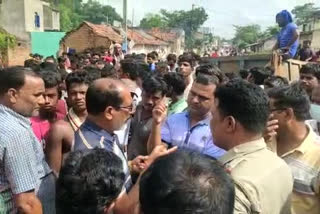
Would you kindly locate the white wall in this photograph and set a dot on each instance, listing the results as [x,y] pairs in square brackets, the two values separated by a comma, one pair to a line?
[33,6]
[12,18]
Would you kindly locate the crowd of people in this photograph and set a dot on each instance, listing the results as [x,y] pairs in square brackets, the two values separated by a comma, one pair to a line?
[127,133]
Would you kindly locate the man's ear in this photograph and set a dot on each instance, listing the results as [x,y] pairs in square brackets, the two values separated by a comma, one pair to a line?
[289,114]
[12,95]
[108,113]
[229,124]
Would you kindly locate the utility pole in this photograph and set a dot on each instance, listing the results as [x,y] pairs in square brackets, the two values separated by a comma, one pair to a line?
[125,26]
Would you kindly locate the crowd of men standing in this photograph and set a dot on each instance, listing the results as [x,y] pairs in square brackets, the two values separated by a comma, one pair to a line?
[95,133]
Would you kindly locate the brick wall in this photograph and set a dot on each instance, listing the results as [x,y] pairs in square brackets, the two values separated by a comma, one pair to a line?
[79,40]
[19,54]
[102,42]
[82,39]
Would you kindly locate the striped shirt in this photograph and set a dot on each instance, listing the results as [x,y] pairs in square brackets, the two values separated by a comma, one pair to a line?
[22,163]
[91,136]
[304,162]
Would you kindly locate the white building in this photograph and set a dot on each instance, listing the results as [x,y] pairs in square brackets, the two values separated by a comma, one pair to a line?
[18,17]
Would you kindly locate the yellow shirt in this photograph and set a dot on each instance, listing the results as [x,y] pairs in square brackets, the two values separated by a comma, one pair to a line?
[263,181]
[304,162]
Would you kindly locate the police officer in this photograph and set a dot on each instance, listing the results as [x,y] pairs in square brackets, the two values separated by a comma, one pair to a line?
[263,181]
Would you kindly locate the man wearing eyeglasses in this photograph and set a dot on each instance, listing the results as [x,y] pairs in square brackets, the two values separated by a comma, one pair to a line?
[298,145]
[109,106]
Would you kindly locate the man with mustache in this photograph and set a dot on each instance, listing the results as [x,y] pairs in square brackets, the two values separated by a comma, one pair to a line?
[48,113]
[189,129]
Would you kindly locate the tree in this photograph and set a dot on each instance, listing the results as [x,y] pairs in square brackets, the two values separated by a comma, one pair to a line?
[246,35]
[189,21]
[68,19]
[153,20]
[96,13]
[73,12]
[304,13]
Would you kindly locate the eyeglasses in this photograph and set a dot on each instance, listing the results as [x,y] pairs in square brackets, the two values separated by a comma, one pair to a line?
[131,109]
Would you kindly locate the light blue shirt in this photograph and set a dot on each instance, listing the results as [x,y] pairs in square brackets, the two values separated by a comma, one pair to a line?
[286,35]
[176,131]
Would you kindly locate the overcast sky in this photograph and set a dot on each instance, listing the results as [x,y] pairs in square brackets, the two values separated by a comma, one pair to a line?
[223,14]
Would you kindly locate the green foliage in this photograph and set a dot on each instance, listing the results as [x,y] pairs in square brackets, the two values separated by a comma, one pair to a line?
[7,40]
[189,21]
[74,12]
[246,35]
[271,31]
[96,13]
[68,19]
[304,13]
[153,20]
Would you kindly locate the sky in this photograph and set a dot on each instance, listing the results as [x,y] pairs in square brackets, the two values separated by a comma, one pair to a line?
[223,14]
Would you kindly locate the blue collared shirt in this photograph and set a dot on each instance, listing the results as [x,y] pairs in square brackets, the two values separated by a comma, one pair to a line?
[91,136]
[176,131]
[22,163]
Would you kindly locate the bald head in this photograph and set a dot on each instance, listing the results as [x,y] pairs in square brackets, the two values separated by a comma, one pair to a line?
[103,93]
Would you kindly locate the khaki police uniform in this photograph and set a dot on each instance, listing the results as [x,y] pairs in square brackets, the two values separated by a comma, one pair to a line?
[263,181]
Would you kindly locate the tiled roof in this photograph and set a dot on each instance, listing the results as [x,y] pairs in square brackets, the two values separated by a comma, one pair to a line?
[163,34]
[105,31]
[142,38]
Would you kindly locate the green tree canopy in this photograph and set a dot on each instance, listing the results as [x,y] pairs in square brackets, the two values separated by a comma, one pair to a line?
[190,21]
[304,13]
[73,12]
[96,13]
[246,35]
[153,20]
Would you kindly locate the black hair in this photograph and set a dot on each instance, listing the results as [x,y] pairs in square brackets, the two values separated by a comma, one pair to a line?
[33,64]
[61,59]
[129,67]
[155,84]
[275,81]
[79,77]
[186,182]
[259,75]
[175,83]
[244,73]
[187,58]
[109,71]
[293,96]
[97,99]
[51,79]
[51,58]
[89,181]
[14,77]
[310,68]
[172,57]
[48,66]
[205,79]
[94,73]
[152,55]
[246,102]
[212,70]
[232,75]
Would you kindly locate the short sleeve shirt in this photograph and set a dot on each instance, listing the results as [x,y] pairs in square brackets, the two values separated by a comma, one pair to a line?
[304,162]
[22,162]
[176,131]
[91,136]
[285,36]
